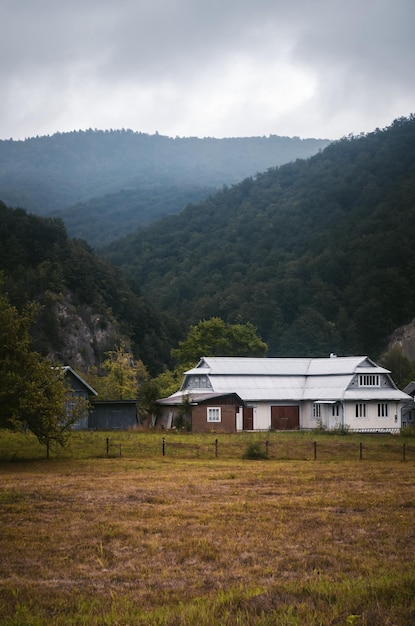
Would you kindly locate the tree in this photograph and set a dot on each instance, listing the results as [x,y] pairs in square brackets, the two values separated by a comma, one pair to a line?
[150,392]
[49,406]
[213,337]
[33,394]
[401,368]
[122,376]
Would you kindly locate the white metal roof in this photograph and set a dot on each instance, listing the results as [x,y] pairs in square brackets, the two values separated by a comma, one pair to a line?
[261,387]
[295,379]
[284,366]
[379,393]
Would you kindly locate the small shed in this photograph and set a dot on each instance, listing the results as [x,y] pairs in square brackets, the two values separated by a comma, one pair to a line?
[80,389]
[112,414]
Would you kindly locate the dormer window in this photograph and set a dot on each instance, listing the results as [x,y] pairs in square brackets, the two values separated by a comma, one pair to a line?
[197,382]
[369,380]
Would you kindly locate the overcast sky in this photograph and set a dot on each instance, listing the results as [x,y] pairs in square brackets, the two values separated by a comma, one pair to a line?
[219,68]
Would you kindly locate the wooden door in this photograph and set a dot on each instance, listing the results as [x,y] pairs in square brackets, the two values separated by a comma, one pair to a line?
[248,418]
[285,417]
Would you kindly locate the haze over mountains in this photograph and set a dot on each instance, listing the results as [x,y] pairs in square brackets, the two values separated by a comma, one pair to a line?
[104,184]
[318,254]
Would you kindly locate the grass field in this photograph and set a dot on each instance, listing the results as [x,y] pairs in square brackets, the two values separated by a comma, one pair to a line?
[191,539]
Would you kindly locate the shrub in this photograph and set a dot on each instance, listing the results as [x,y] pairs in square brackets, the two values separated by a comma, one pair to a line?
[254,451]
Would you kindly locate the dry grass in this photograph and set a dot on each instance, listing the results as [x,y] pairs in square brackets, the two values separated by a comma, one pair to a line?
[169,541]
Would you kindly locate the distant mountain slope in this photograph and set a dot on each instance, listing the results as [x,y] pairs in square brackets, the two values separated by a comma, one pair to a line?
[86,306]
[318,254]
[102,220]
[44,174]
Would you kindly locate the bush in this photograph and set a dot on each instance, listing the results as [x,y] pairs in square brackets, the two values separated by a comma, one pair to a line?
[254,451]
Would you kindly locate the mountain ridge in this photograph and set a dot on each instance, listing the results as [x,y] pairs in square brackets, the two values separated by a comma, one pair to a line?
[70,175]
[317,254]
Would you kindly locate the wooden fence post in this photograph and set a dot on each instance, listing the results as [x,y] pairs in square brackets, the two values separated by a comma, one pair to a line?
[315,450]
[216,448]
[120,451]
[361,451]
[108,446]
[163,446]
[404,452]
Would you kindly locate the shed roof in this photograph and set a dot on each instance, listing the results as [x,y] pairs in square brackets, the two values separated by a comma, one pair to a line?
[67,369]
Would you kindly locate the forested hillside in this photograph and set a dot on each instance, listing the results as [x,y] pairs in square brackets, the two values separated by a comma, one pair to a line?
[319,254]
[104,219]
[123,179]
[86,306]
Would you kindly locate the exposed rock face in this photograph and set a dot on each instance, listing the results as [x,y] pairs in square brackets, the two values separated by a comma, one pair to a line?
[82,335]
[404,338]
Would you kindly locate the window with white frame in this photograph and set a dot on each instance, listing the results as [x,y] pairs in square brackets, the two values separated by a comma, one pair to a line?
[317,411]
[360,409]
[383,409]
[213,414]
[369,380]
[335,410]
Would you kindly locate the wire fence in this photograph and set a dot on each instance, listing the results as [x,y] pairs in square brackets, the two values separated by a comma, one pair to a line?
[289,450]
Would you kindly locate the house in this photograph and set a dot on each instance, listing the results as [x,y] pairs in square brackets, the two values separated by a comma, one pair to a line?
[100,414]
[287,394]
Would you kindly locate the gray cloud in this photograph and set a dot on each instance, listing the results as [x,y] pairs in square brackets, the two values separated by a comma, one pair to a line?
[219,67]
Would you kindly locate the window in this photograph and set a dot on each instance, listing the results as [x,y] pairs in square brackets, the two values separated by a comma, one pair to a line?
[369,380]
[197,382]
[360,410]
[383,409]
[213,414]
[335,410]
[317,411]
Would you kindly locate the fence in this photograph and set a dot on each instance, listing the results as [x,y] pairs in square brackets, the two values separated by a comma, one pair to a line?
[288,450]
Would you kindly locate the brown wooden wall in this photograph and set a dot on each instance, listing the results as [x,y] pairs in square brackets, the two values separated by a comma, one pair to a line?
[226,425]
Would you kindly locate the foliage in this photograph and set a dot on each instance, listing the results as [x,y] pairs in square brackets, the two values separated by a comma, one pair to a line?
[214,337]
[317,254]
[33,395]
[127,178]
[121,378]
[40,263]
[183,418]
[150,391]
[401,368]
[104,219]
[255,451]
